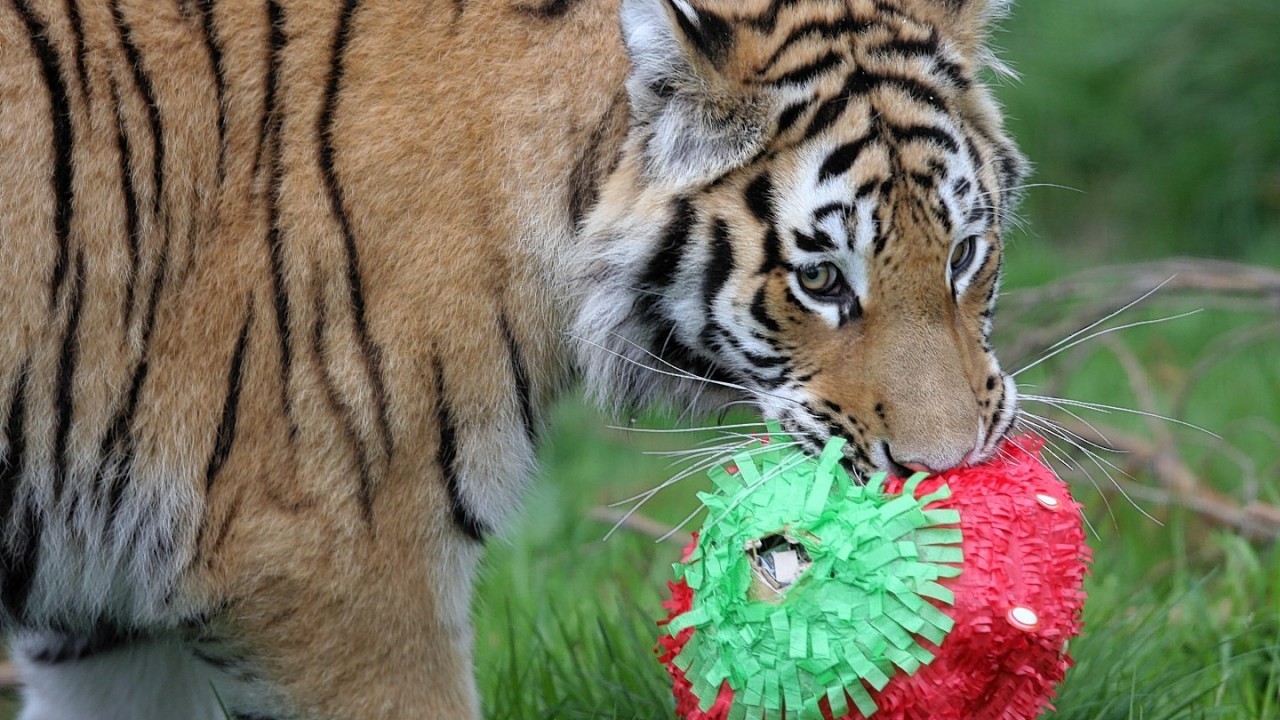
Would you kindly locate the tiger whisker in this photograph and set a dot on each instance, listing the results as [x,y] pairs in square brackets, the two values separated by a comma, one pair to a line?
[1057,454]
[1105,409]
[1055,451]
[746,492]
[726,453]
[1100,461]
[690,375]
[1076,416]
[698,466]
[644,497]
[1029,186]
[1105,318]
[781,468]
[700,428]
[1099,334]
[679,373]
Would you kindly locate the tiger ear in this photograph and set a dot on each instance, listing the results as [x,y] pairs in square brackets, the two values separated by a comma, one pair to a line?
[700,123]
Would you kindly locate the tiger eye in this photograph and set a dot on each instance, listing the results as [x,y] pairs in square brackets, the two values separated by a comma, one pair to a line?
[962,255]
[820,279]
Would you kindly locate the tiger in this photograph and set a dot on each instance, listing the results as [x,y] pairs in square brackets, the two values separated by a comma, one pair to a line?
[288,288]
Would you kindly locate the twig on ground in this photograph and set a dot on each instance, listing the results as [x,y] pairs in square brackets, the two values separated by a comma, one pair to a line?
[1254,519]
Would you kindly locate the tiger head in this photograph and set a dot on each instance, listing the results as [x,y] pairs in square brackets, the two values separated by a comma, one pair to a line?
[807,215]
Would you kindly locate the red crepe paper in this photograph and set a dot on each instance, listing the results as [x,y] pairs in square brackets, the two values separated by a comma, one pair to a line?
[1018,601]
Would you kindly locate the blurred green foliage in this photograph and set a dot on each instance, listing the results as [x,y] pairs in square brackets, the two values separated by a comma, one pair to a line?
[1164,114]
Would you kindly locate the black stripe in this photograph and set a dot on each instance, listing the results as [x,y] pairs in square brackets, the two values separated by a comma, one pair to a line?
[591,167]
[761,313]
[791,298]
[269,136]
[986,258]
[213,45]
[842,158]
[65,402]
[77,29]
[447,459]
[941,214]
[271,115]
[832,208]
[280,297]
[768,21]
[21,563]
[119,436]
[923,179]
[928,133]
[772,252]
[759,198]
[809,71]
[665,262]
[130,193]
[143,81]
[546,10]
[720,266]
[370,352]
[790,115]
[673,351]
[827,114]
[998,415]
[1010,169]
[14,457]
[364,476]
[520,380]
[713,37]
[226,434]
[956,74]
[818,242]
[904,46]
[19,556]
[862,82]
[764,362]
[821,28]
[851,310]
[63,141]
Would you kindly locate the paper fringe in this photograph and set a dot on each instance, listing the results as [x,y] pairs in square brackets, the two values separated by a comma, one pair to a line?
[857,615]
[1018,551]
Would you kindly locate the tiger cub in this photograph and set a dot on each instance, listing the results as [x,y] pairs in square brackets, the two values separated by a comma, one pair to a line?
[287,287]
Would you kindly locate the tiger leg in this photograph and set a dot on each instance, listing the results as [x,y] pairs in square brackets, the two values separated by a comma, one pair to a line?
[383,632]
[112,677]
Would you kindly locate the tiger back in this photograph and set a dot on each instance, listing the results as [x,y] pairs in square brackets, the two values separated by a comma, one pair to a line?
[289,286]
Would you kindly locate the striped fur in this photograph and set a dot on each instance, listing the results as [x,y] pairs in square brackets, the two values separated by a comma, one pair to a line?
[290,285]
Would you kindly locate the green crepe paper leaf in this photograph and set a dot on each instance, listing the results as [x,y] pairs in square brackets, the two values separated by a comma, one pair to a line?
[856,614]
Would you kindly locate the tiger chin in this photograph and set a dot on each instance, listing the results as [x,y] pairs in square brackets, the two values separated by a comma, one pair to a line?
[289,286]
